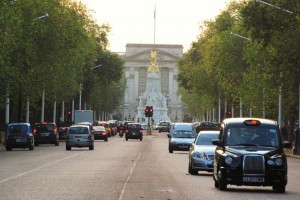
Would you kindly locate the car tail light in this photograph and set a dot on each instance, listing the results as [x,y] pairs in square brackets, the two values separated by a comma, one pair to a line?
[104,133]
[126,131]
[34,131]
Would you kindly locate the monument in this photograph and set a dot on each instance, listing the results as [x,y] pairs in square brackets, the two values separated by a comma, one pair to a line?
[153,95]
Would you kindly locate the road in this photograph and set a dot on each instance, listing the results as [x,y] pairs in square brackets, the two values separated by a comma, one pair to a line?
[119,170]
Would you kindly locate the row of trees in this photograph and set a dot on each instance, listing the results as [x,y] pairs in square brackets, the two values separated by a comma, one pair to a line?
[52,46]
[246,53]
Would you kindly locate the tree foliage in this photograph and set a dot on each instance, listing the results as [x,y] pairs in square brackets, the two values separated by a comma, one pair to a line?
[222,63]
[52,46]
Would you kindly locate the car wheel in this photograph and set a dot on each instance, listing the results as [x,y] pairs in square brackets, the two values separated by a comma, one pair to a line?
[106,140]
[191,170]
[170,150]
[36,144]
[216,184]
[31,146]
[57,143]
[141,138]
[68,148]
[91,148]
[8,148]
[279,188]
[222,183]
[126,139]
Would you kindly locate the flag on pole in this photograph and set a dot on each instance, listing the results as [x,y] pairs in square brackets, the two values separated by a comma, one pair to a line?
[155,12]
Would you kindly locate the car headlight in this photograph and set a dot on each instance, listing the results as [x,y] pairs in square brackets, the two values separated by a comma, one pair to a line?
[200,155]
[278,161]
[228,160]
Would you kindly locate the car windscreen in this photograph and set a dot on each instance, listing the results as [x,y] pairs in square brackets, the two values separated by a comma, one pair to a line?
[206,139]
[252,135]
[78,130]
[164,124]
[18,129]
[183,134]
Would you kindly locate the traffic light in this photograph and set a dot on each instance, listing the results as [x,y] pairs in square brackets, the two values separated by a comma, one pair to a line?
[69,116]
[147,111]
[228,114]
[150,111]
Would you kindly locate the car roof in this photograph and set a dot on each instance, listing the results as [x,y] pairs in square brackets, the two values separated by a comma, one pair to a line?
[79,125]
[209,132]
[242,119]
[19,123]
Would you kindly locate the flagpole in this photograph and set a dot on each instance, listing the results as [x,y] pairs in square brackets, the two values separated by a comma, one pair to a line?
[154,23]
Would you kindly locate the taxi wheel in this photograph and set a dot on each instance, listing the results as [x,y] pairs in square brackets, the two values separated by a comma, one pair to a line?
[222,183]
[279,188]
[8,148]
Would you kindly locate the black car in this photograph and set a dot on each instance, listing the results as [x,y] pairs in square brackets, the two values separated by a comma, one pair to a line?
[133,131]
[164,126]
[62,132]
[250,152]
[45,133]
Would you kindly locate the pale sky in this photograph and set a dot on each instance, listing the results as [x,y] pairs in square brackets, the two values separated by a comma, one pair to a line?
[132,21]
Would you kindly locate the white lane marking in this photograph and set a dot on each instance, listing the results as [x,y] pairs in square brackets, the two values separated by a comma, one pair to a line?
[36,169]
[123,190]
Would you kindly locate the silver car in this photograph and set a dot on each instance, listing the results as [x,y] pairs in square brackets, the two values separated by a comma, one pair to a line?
[180,140]
[202,152]
[80,136]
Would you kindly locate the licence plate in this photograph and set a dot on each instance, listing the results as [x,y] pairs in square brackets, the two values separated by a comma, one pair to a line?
[133,133]
[44,134]
[253,179]
[18,140]
[183,147]
[77,136]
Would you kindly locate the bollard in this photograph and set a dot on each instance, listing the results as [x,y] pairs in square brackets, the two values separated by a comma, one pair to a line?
[149,131]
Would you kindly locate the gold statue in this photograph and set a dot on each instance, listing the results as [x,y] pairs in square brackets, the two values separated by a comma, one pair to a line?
[153,66]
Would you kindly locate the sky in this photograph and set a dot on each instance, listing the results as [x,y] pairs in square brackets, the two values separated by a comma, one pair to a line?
[176,22]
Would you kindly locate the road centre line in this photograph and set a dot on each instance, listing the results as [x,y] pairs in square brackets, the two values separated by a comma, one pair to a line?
[128,178]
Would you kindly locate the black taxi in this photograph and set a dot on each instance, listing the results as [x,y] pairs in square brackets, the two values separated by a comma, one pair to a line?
[249,151]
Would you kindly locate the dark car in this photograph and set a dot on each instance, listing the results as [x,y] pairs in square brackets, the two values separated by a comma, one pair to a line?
[164,126]
[46,133]
[100,133]
[206,126]
[19,135]
[250,152]
[133,131]
[62,132]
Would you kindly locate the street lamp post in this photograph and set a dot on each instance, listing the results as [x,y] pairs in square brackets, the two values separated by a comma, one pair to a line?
[20,92]
[273,6]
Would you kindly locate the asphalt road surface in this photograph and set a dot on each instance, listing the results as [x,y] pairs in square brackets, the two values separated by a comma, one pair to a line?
[119,170]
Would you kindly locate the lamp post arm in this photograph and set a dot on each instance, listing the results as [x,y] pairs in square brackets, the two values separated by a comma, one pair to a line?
[273,6]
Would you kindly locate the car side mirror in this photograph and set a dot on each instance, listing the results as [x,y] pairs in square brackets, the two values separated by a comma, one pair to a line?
[216,142]
[287,144]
